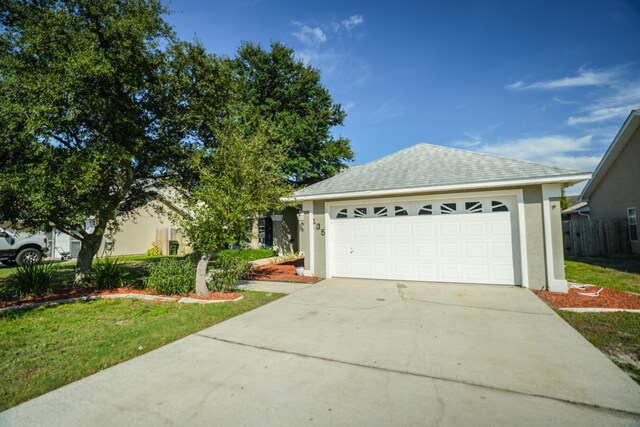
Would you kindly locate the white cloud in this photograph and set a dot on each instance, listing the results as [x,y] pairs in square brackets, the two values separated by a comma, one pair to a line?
[584,78]
[601,114]
[313,36]
[352,21]
[585,163]
[540,149]
[623,97]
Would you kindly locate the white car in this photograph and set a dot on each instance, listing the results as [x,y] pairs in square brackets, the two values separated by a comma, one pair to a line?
[22,248]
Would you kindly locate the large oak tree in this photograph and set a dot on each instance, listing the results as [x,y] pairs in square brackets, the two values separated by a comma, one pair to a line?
[94,111]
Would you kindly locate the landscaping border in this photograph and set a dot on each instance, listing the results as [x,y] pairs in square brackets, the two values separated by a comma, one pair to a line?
[146,297]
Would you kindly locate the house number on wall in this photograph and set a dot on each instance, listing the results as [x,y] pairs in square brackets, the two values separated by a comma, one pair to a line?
[318,227]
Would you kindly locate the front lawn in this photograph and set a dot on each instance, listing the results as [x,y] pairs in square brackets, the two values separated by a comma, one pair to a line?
[48,347]
[614,273]
[617,335]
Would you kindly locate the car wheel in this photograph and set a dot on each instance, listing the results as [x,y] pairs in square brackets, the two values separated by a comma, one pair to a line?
[29,256]
[9,262]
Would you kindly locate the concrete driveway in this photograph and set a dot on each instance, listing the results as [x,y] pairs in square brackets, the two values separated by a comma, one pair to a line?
[356,352]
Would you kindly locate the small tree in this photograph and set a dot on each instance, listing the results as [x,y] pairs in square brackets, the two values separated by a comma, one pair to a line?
[237,178]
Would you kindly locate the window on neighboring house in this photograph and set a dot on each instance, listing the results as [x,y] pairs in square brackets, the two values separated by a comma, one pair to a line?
[633,224]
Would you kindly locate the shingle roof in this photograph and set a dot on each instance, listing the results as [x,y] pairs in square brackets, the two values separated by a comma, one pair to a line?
[426,165]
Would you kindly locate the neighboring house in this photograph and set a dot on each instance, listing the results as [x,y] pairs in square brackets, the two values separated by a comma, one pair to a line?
[578,210]
[431,213]
[614,190]
[137,234]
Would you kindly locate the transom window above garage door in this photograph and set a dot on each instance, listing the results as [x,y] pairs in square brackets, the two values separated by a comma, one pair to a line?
[413,208]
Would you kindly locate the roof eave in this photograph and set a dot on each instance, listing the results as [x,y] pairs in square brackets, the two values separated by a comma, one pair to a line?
[560,179]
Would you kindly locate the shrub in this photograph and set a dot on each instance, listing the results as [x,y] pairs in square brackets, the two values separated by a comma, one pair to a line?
[155,250]
[225,277]
[31,280]
[171,276]
[107,273]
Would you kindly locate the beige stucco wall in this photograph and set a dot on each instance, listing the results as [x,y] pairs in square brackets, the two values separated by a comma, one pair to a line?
[137,234]
[534,228]
[285,232]
[619,188]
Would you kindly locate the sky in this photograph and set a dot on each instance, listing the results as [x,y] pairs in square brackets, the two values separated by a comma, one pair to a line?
[545,81]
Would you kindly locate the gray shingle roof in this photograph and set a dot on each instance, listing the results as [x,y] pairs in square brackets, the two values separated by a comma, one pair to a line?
[426,165]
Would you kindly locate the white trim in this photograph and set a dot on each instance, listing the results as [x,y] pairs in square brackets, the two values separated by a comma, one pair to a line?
[328,242]
[555,285]
[312,248]
[524,262]
[519,218]
[468,186]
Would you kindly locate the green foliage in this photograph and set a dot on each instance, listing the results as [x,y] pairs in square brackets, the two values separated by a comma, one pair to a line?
[225,277]
[95,110]
[289,94]
[171,276]
[155,250]
[564,202]
[107,273]
[244,254]
[236,180]
[30,280]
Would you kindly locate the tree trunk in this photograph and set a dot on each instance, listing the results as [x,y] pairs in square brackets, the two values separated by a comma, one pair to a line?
[88,250]
[201,276]
[255,231]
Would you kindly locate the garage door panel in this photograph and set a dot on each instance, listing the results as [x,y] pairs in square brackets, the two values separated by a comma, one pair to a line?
[362,250]
[382,250]
[477,273]
[502,251]
[451,272]
[425,230]
[457,247]
[402,230]
[449,230]
[403,250]
[360,230]
[427,271]
[476,250]
[426,250]
[450,250]
[403,270]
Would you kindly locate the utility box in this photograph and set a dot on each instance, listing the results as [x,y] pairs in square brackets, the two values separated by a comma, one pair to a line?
[173,247]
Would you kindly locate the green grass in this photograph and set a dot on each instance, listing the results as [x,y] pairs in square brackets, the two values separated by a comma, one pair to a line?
[616,334]
[246,254]
[614,273]
[48,347]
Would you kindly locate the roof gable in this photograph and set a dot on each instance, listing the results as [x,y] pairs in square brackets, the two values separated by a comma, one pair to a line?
[629,127]
[425,166]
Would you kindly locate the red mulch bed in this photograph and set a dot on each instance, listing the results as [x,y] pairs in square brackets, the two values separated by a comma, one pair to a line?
[69,293]
[284,271]
[608,298]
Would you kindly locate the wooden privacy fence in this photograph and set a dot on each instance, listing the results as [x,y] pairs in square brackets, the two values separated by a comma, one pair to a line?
[596,237]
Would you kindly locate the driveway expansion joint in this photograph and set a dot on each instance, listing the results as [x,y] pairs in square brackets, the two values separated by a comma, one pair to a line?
[431,377]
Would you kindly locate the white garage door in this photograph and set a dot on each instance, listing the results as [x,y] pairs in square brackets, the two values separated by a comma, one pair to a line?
[464,241]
